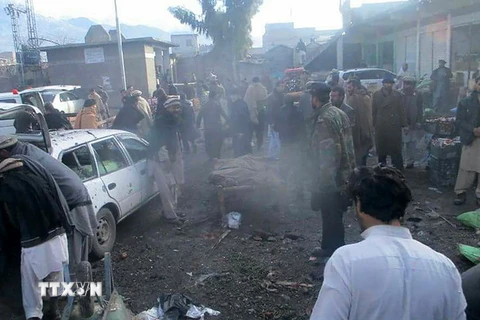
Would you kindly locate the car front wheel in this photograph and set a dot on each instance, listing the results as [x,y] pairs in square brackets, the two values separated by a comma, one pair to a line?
[105,235]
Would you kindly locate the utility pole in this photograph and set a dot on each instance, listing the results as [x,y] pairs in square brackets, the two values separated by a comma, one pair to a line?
[120,48]
[14,13]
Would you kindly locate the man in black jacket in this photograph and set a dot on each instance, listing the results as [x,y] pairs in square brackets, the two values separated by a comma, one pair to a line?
[468,126]
[290,124]
[34,212]
[240,124]
[55,119]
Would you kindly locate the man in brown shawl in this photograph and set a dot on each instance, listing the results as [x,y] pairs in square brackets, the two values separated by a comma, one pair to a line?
[388,120]
[360,101]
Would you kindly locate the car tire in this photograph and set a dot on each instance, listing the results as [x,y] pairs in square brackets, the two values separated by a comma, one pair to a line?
[105,235]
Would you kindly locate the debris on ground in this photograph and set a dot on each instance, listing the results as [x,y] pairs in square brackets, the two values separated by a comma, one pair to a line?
[220,239]
[273,286]
[435,190]
[234,220]
[174,307]
[204,277]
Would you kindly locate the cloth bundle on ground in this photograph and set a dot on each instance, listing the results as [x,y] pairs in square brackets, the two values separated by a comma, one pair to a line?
[246,171]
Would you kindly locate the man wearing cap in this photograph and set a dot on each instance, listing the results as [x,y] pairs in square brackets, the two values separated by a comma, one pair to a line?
[388,120]
[87,117]
[331,158]
[413,103]
[101,110]
[82,213]
[164,133]
[441,86]
[146,123]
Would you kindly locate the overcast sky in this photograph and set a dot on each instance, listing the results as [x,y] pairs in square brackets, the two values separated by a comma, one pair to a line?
[321,14]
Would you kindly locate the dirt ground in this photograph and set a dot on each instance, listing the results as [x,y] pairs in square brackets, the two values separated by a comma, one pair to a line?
[250,269]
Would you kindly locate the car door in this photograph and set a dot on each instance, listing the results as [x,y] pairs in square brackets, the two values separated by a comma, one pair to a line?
[75,104]
[118,175]
[82,162]
[137,150]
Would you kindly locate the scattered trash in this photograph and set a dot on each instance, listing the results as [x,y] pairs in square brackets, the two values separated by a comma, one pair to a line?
[220,239]
[292,236]
[190,274]
[433,215]
[471,219]
[271,239]
[257,238]
[447,221]
[471,253]
[414,219]
[234,220]
[123,255]
[205,277]
[435,190]
[175,306]
[272,286]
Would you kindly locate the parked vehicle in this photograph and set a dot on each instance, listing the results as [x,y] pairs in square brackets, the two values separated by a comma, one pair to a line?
[371,78]
[64,98]
[111,163]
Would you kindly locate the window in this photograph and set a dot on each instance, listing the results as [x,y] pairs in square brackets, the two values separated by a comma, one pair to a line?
[109,156]
[67,96]
[136,149]
[346,75]
[9,101]
[189,43]
[80,161]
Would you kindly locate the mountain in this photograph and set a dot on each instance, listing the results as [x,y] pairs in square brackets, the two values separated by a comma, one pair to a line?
[62,31]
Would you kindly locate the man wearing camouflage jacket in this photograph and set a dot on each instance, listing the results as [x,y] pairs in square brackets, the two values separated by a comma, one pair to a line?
[331,158]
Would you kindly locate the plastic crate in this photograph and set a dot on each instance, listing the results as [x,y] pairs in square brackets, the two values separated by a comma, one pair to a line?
[444,129]
[443,172]
[446,152]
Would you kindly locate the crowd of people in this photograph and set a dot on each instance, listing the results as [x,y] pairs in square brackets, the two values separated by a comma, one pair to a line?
[322,136]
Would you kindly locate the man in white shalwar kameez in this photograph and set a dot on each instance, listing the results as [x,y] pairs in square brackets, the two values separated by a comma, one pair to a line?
[32,206]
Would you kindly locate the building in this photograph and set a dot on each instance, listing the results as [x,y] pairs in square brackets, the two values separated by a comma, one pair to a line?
[279,59]
[413,32]
[7,58]
[188,45]
[286,34]
[96,62]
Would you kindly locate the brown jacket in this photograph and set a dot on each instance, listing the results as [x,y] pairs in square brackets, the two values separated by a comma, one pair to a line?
[86,119]
[388,119]
[361,102]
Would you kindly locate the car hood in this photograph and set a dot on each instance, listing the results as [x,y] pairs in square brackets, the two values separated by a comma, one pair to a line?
[41,137]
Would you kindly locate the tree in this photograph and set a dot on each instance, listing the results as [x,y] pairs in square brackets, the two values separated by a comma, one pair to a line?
[227,22]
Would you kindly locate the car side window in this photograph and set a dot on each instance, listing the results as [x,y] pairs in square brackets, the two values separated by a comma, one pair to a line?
[81,162]
[346,75]
[109,156]
[64,97]
[135,148]
[71,96]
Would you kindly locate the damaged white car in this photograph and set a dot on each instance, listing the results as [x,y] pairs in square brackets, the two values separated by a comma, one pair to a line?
[111,163]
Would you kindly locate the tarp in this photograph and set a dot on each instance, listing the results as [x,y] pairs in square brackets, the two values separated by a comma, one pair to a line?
[245,171]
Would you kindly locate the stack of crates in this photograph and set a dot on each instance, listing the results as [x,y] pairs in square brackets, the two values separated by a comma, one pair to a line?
[443,163]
